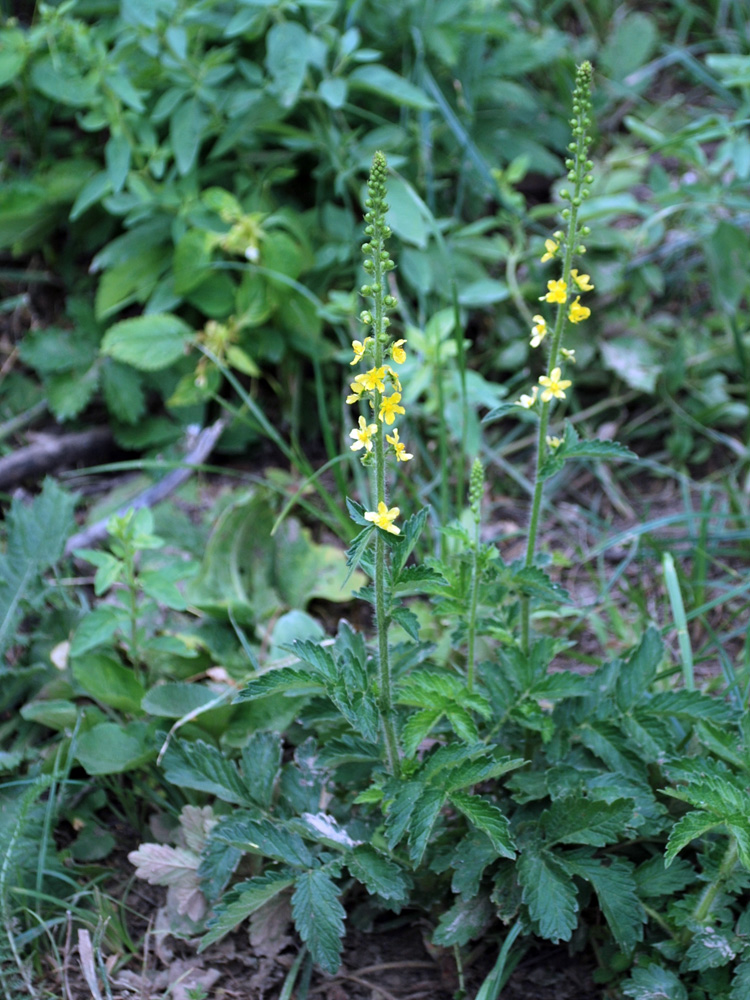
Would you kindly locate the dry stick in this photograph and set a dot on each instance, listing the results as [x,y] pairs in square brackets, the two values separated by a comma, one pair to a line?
[49,452]
[203,447]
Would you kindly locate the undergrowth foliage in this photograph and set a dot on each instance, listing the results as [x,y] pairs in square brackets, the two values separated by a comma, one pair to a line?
[448,768]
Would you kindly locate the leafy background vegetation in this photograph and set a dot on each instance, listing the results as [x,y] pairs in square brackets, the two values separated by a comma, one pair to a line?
[180,221]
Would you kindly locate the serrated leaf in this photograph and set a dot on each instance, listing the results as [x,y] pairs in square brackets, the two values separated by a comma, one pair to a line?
[534,582]
[741,981]
[378,874]
[463,922]
[317,657]
[348,750]
[417,727]
[614,885]
[218,863]
[123,392]
[148,343]
[357,513]
[160,864]
[319,917]
[423,818]
[654,983]
[242,900]
[323,829]
[400,809]
[36,534]
[483,768]
[261,761]
[407,620]
[653,878]
[204,768]
[575,820]
[549,894]
[690,705]
[637,674]
[709,949]
[692,826]
[287,680]
[489,819]
[470,859]
[264,837]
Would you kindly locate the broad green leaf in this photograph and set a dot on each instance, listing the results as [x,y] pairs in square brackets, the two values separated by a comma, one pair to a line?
[390,86]
[205,769]
[654,983]
[378,874]
[218,863]
[629,46]
[741,981]
[400,809]
[175,699]
[242,900]
[615,889]
[55,713]
[133,280]
[109,681]
[472,856]
[637,674]
[319,918]
[689,705]
[186,127]
[149,342]
[417,727]
[288,52]
[53,350]
[549,893]
[408,216]
[192,260]
[575,820]
[333,92]
[110,748]
[98,628]
[123,392]
[13,50]
[59,79]
[534,582]
[654,879]
[488,818]
[69,393]
[692,826]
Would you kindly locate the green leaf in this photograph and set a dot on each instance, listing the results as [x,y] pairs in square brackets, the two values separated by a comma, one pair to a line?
[575,820]
[175,699]
[204,768]
[400,809]
[378,874]
[133,280]
[488,818]
[149,342]
[69,393]
[407,620]
[242,900]
[286,680]
[109,748]
[54,350]
[13,49]
[264,837]
[692,826]
[36,534]
[709,949]
[463,922]
[423,818]
[637,674]
[108,681]
[417,727]
[98,628]
[534,582]
[317,657]
[741,981]
[319,918]
[288,52]
[654,983]
[653,878]
[390,86]
[614,885]
[218,863]
[123,392]
[691,705]
[192,261]
[117,159]
[61,81]
[186,127]
[549,894]
[261,761]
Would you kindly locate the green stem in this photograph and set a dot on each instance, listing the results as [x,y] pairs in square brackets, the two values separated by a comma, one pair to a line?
[382,616]
[473,601]
[705,903]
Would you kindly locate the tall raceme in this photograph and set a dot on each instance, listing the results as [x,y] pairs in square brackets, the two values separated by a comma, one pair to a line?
[565,293]
[376,436]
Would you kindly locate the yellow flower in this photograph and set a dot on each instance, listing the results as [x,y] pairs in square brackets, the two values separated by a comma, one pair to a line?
[577,311]
[553,442]
[373,379]
[363,436]
[551,246]
[402,455]
[558,292]
[569,355]
[554,386]
[398,353]
[356,394]
[528,401]
[389,408]
[384,518]
[539,331]
[581,281]
[359,349]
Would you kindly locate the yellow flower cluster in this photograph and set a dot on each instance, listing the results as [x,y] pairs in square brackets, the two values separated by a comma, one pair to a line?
[381,387]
